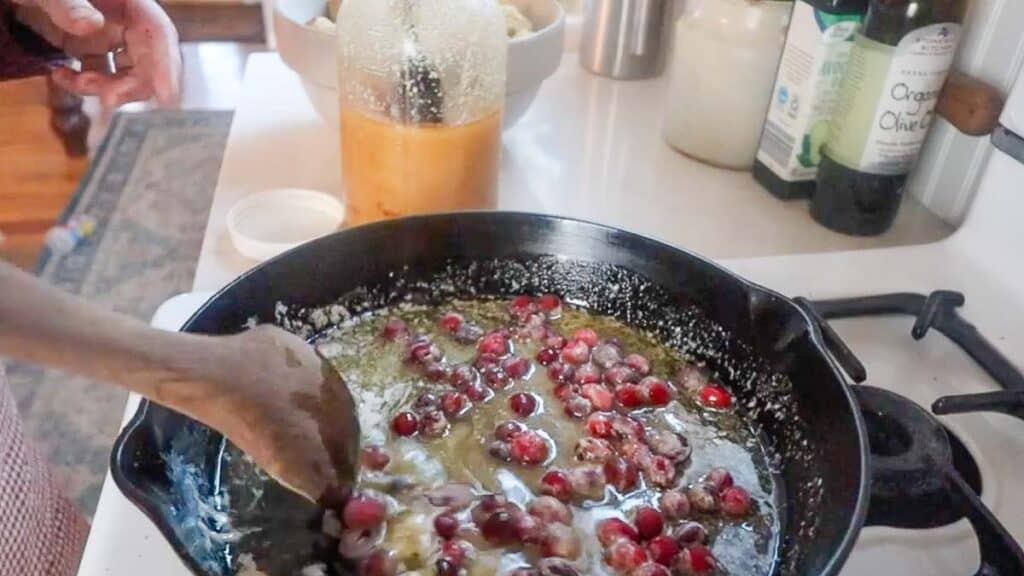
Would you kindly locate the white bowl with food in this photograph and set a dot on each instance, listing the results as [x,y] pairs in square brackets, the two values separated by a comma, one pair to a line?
[307,44]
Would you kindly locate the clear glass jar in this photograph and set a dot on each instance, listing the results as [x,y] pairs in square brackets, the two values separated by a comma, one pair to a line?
[421,89]
[722,72]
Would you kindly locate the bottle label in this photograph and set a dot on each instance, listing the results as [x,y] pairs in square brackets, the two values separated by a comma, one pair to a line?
[807,86]
[888,99]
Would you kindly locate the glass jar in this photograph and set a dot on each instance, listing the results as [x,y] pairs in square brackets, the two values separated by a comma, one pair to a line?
[421,89]
[722,72]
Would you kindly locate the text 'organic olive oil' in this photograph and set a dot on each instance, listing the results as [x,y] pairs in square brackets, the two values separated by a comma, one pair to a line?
[896,72]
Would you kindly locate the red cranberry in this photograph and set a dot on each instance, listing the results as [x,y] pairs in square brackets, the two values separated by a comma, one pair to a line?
[695,561]
[394,329]
[703,498]
[560,371]
[555,341]
[522,305]
[487,504]
[508,430]
[587,336]
[649,522]
[500,450]
[663,549]
[638,363]
[426,401]
[560,541]
[674,504]
[600,397]
[405,424]
[556,483]
[588,481]
[660,472]
[550,304]
[463,375]
[720,478]
[496,379]
[446,525]
[381,562]
[451,321]
[529,529]
[500,527]
[736,501]
[576,352]
[455,551]
[468,333]
[621,474]
[629,396]
[477,392]
[424,352]
[587,374]
[445,567]
[577,406]
[651,569]
[546,356]
[606,355]
[516,366]
[437,371]
[690,534]
[599,425]
[454,404]
[494,343]
[635,452]
[549,509]
[669,444]
[433,424]
[589,449]
[529,448]
[620,374]
[611,529]
[657,391]
[523,403]
[374,457]
[714,396]
[363,513]
[627,428]
[564,391]
[625,555]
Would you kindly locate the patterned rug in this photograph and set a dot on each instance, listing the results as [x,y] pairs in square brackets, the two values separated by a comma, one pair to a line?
[149,188]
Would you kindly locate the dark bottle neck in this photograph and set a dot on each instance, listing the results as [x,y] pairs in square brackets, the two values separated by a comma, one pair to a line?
[840,6]
[888,21]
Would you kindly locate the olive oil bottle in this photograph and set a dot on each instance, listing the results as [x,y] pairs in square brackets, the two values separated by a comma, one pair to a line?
[818,45]
[896,72]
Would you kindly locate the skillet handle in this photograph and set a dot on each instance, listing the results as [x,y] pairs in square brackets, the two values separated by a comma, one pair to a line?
[1000,553]
[836,347]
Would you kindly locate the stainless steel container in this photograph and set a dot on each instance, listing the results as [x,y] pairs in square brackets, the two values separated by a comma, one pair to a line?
[625,39]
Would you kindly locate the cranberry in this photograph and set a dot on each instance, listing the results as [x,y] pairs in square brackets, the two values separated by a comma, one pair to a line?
[620,374]
[651,569]
[381,562]
[496,379]
[635,452]
[606,355]
[556,483]
[424,352]
[703,498]
[446,525]
[426,401]
[437,371]
[477,392]
[550,304]
[736,501]
[690,534]
[720,478]
[374,457]
[468,333]
[657,391]
[577,406]
[500,450]
[691,378]
[660,472]
[433,424]
[394,329]
[405,424]
[669,444]
[523,403]
[463,375]
[560,371]
[521,306]
[599,425]
[587,336]
[451,321]
[494,343]
[611,529]
[629,396]
[621,474]
[557,567]
[488,504]
[674,505]
[454,404]
[529,529]
[649,522]
[600,397]
[500,527]
[560,541]
[445,567]
[589,449]
[363,513]
[550,509]
[695,561]
[516,366]
[546,356]
[627,428]
[455,551]
[587,374]
[638,363]
[508,430]
[714,396]
[576,352]
[555,341]
[530,448]
[663,549]
[625,555]
[588,481]
[565,391]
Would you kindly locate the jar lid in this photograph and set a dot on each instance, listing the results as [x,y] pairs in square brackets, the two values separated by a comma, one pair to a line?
[274,221]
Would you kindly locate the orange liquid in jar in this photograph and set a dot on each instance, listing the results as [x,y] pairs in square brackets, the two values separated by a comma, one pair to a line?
[392,169]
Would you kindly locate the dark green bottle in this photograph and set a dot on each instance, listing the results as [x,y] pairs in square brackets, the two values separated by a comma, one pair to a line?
[818,44]
[899,64]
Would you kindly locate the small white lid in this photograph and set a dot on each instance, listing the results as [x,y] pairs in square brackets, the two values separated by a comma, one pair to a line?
[271,222]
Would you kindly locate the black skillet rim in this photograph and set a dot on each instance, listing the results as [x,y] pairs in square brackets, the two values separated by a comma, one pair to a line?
[141,501]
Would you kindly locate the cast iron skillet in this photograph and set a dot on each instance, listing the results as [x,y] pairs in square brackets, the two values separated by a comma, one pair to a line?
[760,342]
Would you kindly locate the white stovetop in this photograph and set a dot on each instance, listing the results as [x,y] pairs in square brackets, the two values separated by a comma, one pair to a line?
[610,166]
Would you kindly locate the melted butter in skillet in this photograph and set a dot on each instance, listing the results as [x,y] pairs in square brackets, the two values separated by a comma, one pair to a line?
[384,384]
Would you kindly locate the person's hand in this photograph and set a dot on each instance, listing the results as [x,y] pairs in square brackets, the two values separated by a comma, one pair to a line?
[136,34]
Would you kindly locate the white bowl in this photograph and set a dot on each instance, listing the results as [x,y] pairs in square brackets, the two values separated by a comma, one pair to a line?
[311,54]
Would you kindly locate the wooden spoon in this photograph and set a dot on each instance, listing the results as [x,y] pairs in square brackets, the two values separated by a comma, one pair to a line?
[266,390]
